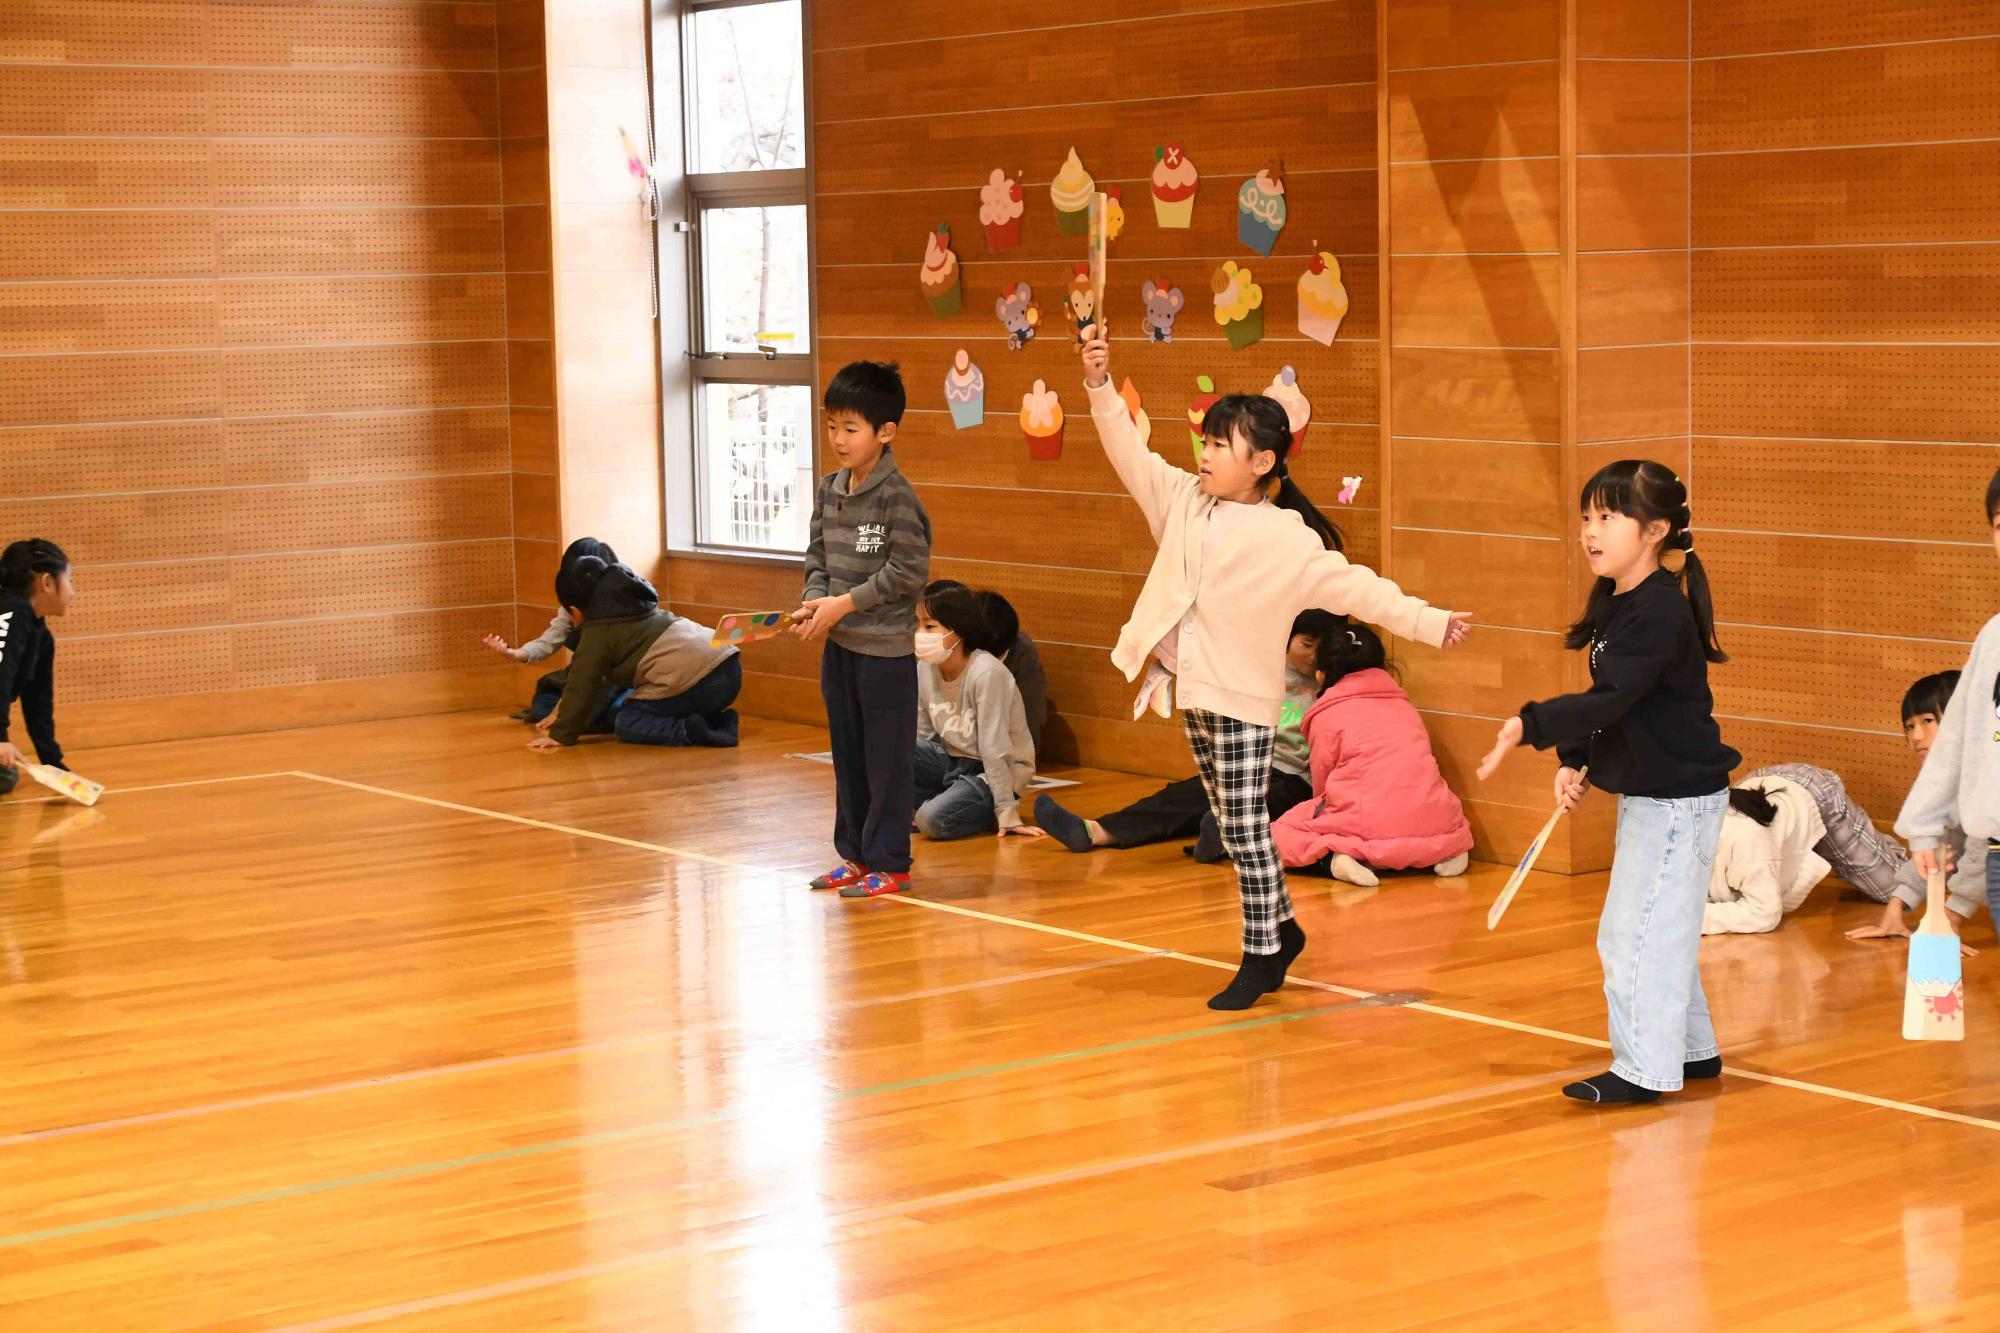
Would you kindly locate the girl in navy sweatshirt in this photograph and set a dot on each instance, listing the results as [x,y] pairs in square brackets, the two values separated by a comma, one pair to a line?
[1646,729]
[34,584]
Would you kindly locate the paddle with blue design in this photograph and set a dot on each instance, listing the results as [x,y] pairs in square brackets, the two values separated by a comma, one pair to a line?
[1528,859]
[1934,994]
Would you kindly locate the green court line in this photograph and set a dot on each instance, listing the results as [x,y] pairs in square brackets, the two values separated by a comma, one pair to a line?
[608,1136]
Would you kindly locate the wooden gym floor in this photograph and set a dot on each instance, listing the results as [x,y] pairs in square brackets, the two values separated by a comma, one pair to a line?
[398,1025]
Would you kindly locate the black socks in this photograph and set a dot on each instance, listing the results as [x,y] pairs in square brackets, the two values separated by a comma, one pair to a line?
[1607,1088]
[1261,973]
[1709,1068]
[1068,829]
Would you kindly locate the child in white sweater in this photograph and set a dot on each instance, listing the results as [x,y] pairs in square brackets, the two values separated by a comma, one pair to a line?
[974,752]
[1241,552]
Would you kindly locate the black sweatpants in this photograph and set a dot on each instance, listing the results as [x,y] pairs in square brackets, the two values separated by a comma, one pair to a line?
[1175,810]
[871,715]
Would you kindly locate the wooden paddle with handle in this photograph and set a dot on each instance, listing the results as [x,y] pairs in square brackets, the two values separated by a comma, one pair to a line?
[1934,993]
[1528,859]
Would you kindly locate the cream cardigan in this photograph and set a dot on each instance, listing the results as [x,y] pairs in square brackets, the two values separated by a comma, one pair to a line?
[1262,574]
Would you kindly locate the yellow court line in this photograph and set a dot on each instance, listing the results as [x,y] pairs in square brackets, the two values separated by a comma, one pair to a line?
[1485,1020]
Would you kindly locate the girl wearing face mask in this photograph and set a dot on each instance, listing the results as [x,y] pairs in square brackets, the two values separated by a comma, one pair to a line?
[974,753]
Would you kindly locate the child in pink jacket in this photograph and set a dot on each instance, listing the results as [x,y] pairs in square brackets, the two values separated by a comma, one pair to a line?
[1380,800]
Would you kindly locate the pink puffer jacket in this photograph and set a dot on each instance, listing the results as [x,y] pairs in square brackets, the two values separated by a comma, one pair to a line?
[1379,795]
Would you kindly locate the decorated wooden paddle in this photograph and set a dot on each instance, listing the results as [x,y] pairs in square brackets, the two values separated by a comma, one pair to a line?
[737,629]
[81,790]
[1100,243]
[1934,994]
[1528,859]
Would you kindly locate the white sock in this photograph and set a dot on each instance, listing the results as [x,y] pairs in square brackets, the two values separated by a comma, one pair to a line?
[1455,866]
[1350,871]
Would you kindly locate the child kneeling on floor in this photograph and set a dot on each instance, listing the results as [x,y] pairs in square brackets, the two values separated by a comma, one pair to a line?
[682,686]
[974,753]
[1380,802]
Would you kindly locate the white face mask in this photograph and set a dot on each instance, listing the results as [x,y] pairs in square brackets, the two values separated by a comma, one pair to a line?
[931,646]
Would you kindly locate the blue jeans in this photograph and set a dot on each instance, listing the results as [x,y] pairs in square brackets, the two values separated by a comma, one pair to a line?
[1649,938]
[953,800]
[1993,881]
[698,715]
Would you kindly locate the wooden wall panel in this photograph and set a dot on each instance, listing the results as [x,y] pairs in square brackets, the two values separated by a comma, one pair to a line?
[1486,111]
[252,368]
[1931,293]
[1061,539]
[1849,390]
[1803,25]
[1913,194]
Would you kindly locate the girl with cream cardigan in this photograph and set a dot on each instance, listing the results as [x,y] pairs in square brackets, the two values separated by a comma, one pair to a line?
[1241,552]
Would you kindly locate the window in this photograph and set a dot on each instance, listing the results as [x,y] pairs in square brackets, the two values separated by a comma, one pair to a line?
[745,247]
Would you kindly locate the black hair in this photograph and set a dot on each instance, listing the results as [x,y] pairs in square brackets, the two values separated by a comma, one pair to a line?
[872,390]
[579,578]
[1644,490]
[1349,648]
[1315,624]
[1993,496]
[957,608]
[1754,803]
[1266,428]
[23,560]
[1929,694]
[1003,624]
[584,546]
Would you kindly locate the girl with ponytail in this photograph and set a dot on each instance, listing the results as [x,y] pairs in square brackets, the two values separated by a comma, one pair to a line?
[1241,553]
[1646,730]
[34,585]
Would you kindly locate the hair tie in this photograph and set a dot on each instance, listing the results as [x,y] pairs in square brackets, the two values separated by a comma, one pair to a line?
[1354,638]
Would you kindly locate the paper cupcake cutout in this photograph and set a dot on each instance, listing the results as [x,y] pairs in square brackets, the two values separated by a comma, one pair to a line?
[1020,315]
[1239,304]
[1163,302]
[942,287]
[1205,397]
[1174,182]
[1081,302]
[1260,210]
[1000,210]
[1322,299]
[965,391]
[1349,487]
[1042,423]
[1071,194]
[1114,212]
[1136,410]
[1284,387]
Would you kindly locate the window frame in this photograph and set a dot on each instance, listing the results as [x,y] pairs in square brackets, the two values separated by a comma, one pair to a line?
[685,365]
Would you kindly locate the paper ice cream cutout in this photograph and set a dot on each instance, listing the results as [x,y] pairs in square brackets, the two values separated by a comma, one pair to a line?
[641,168]
[1322,299]
[1114,212]
[1239,304]
[1205,398]
[1260,209]
[1174,182]
[1081,303]
[1071,194]
[1348,487]
[941,279]
[965,391]
[1284,387]
[1042,423]
[1163,303]
[1017,310]
[1000,211]
[1134,409]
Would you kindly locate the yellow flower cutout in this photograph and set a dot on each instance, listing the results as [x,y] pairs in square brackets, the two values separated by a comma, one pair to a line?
[1236,293]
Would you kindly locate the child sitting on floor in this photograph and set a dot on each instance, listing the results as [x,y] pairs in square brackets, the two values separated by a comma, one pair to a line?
[681,685]
[1381,802]
[1765,862]
[561,633]
[974,756]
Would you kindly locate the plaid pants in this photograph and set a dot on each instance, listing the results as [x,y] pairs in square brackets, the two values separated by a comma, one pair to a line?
[1235,762]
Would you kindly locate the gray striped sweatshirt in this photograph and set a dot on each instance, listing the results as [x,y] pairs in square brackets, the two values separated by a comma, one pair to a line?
[874,545]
